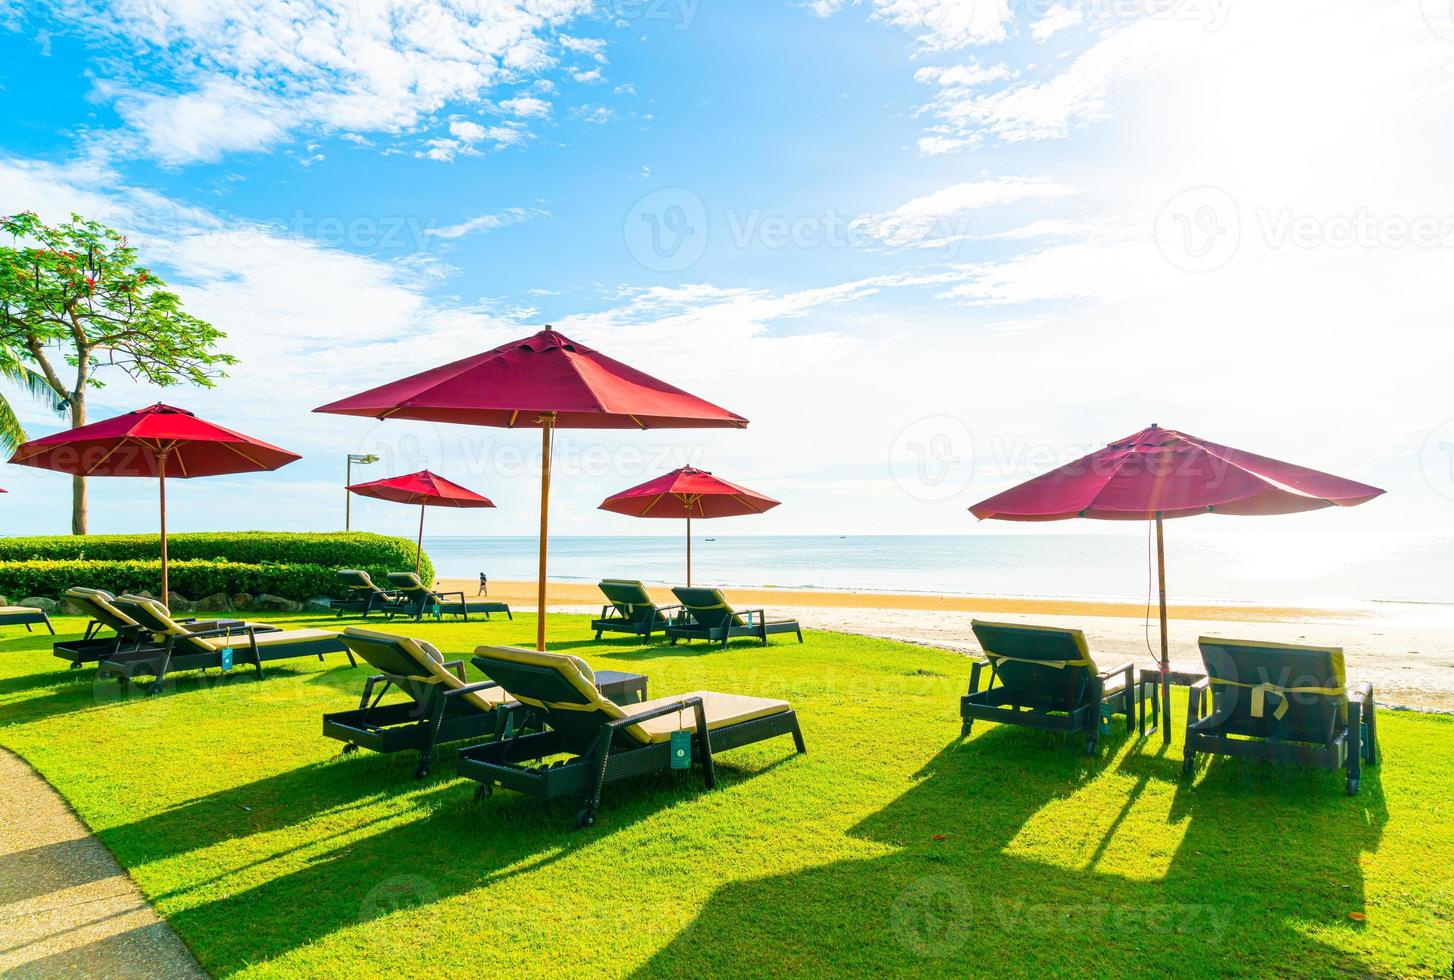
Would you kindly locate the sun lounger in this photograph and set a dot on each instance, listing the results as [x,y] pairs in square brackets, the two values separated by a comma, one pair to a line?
[443,705]
[607,742]
[92,647]
[192,647]
[25,616]
[418,600]
[361,595]
[1280,703]
[1046,679]
[631,610]
[710,617]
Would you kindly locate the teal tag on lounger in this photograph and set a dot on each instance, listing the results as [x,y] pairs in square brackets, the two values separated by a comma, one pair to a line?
[226,659]
[1105,719]
[681,750]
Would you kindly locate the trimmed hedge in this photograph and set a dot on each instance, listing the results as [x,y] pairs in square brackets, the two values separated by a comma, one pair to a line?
[294,566]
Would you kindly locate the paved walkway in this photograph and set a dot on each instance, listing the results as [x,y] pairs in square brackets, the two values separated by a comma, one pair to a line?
[66,907]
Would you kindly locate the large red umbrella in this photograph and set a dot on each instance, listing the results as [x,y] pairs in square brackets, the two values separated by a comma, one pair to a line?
[159,441]
[688,492]
[425,489]
[544,381]
[1160,473]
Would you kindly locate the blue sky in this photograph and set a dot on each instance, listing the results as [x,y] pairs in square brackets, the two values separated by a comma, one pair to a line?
[929,247]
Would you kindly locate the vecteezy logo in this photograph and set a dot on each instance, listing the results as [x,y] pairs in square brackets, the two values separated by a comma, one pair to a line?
[933,458]
[932,916]
[667,230]
[397,893]
[1437,459]
[1199,229]
[1439,15]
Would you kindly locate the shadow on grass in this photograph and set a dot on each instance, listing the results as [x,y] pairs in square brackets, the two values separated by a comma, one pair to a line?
[399,868]
[1261,857]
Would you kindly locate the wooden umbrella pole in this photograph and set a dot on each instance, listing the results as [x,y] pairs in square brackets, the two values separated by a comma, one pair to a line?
[162,477]
[1165,642]
[419,548]
[547,427]
[689,549]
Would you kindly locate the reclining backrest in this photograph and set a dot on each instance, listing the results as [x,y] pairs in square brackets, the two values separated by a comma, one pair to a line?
[151,615]
[1277,689]
[408,659]
[562,686]
[708,607]
[630,599]
[357,580]
[408,582]
[99,605]
[1039,664]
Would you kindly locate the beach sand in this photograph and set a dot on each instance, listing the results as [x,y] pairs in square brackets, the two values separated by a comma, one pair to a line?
[1405,651]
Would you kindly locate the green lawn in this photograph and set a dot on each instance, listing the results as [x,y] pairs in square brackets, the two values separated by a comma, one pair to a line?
[891,846]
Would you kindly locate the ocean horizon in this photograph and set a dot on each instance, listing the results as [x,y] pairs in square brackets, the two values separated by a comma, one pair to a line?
[1304,569]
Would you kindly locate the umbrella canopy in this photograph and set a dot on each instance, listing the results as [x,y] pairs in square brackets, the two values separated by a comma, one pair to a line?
[544,381]
[424,489]
[1158,474]
[1162,473]
[159,441]
[688,493]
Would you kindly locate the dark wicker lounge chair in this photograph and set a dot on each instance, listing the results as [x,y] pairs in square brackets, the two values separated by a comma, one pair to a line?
[1046,679]
[442,704]
[92,647]
[361,595]
[607,742]
[710,617]
[632,610]
[418,600]
[25,616]
[195,646]
[1281,703]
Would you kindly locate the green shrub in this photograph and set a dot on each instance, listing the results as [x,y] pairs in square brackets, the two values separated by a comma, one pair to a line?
[294,566]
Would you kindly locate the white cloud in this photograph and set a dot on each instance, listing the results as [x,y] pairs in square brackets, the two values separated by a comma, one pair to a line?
[937,25]
[468,132]
[592,77]
[487,222]
[1072,97]
[596,115]
[231,75]
[946,215]
[526,107]
[1057,18]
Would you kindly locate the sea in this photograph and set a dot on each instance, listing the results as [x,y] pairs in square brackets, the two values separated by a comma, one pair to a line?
[1335,571]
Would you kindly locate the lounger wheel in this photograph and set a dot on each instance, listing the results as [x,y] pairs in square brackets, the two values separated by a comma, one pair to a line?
[483,790]
[422,770]
[349,749]
[1352,785]
[586,818]
[964,729]
[1188,761]
[75,665]
[155,687]
[1090,745]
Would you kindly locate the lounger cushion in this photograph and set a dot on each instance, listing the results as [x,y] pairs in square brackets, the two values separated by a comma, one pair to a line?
[432,669]
[1306,667]
[275,639]
[721,710]
[100,600]
[20,611]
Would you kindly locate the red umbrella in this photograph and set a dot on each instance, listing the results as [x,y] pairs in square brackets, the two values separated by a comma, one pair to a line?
[543,381]
[688,492]
[1160,473]
[159,441]
[426,490]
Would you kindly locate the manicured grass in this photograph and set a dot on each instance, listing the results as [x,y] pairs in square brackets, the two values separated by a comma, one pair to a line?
[890,846]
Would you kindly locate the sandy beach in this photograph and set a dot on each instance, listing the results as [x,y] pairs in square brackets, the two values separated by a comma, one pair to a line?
[1405,651]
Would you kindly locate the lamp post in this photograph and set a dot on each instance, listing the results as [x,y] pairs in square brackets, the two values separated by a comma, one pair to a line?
[362,460]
